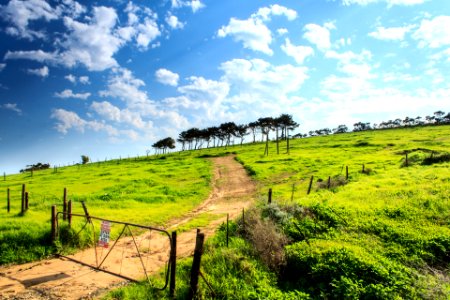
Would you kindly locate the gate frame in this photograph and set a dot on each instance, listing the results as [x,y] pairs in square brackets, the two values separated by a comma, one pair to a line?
[171,266]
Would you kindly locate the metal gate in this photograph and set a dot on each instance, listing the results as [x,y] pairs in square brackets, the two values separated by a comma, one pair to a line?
[129,251]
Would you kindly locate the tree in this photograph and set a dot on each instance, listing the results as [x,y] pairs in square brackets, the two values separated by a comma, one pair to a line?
[340,129]
[84,159]
[164,144]
[438,116]
[287,123]
[266,125]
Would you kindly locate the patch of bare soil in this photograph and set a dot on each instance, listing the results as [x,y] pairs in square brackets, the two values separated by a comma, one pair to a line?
[60,278]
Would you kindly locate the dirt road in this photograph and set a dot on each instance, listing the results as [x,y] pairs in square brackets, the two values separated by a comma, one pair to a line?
[60,278]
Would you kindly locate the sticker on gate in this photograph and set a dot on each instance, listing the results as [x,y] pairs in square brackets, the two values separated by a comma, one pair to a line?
[103,240]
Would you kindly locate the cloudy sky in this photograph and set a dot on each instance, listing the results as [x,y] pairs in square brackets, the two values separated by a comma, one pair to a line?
[109,78]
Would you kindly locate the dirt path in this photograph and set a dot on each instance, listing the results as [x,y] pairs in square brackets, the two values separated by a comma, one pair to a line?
[60,278]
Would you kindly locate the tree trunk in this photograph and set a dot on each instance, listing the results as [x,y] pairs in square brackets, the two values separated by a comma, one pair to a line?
[278,146]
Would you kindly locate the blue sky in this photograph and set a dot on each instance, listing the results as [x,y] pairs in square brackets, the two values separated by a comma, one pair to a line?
[109,78]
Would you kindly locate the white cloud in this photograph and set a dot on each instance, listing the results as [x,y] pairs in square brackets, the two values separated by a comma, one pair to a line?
[205,89]
[92,44]
[390,34]
[20,13]
[167,77]
[276,10]
[84,80]
[67,120]
[69,94]
[42,72]
[390,3]
[147,33]
[253,34]
[173,22]
[299,53]
[12,107]
[282,31]
[318,35]
[37,55]
[71,78]
[112,113]
[195,5]
[434,33]
[2,66]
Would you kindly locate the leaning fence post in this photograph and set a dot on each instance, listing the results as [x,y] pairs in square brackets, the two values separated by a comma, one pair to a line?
[23,199]
[69,213]
[329,182]
[64,204]
[310,184]
[8,201]
[195,271]
[54,221]
[270,196]
[173,265]
[363,168]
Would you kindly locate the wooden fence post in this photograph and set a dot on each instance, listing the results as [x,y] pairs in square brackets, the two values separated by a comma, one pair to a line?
[310,184]
[329,182]
[363,168]
[8,201]
[26,201]
[195,271]
[173,265]
[346,172]
[64,204]
[54,223]
[406,160]
[270,196]
[69,213]
[22,209]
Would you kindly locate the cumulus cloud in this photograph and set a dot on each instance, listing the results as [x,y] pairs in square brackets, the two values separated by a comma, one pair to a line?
[298,53]
[390,3]
[390,34]
[253,34]
[12,107]
[275,10]
[42,72]
[319,35]
[167,77]
[2,66]
[70,94]
[112,113]
[173,22]
[74,79]
[67,120]
[433,33]
[36,55]
[195,5]
[20,13]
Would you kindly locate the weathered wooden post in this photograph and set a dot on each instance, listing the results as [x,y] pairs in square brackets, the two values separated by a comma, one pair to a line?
[346,172]
[54,221]
[26,201]
[22,209]
[8,201]
[64,204]
[363,168]
[173,265]
[195,271]
[270,196]
[406,159]
[329,182]
[69,213]
[310,184]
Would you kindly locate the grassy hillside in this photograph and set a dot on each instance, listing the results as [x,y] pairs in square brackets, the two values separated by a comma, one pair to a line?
[383,234]
[146,191]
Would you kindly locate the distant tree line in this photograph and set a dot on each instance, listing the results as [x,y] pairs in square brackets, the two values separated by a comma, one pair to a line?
[227,133]
[35,167]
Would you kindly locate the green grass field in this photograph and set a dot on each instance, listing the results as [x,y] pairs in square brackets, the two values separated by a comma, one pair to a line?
[384,234]
[144,191]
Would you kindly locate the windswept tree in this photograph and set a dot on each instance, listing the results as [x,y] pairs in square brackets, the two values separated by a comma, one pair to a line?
[287,123]
[438,116]
[84,159]
[340,129]
[241,132]
[253,126]
[164,144]
[266,125]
